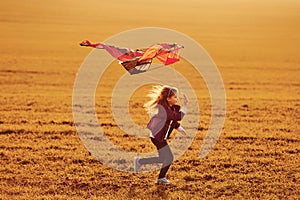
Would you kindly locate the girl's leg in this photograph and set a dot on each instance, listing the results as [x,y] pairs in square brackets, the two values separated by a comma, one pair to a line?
[156,159]
[165,156]
[150,160]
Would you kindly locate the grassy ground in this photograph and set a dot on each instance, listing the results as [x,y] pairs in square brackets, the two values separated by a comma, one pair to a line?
[255,46]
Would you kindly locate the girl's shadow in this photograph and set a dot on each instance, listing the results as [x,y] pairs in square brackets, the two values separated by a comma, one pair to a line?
[159,191]
[162,190]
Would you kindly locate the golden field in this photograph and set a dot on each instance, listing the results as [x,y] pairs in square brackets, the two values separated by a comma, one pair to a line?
[256,47]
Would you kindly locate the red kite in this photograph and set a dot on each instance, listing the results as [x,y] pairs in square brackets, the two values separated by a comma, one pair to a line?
[139,60]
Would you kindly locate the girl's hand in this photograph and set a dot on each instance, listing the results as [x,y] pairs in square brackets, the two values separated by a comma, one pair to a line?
[181,130]
[185,100]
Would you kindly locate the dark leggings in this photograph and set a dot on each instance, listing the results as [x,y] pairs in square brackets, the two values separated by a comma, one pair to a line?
[165,156]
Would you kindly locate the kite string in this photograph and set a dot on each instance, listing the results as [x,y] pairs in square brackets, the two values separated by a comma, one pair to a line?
[159,80]
[175,72]
[152,77]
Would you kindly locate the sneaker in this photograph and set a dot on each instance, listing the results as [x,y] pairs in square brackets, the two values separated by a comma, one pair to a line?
[163,180]
[137,165]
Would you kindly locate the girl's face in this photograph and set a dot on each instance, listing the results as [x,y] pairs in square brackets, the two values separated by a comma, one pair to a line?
[172,100]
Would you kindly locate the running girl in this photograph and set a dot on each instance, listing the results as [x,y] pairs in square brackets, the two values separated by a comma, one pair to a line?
[164,103]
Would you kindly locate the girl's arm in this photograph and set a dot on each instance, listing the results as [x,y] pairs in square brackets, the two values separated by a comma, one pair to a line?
[178,127]
[181,112]
[181,130]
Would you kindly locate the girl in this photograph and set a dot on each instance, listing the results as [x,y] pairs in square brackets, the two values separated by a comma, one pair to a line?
[164,101]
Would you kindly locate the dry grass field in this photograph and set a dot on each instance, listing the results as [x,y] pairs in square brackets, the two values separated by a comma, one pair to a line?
[255,45]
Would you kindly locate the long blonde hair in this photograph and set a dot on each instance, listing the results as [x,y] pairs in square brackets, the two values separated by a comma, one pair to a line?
[158,95]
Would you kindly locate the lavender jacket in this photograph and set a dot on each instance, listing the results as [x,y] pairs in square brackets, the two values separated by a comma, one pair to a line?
[162,124]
